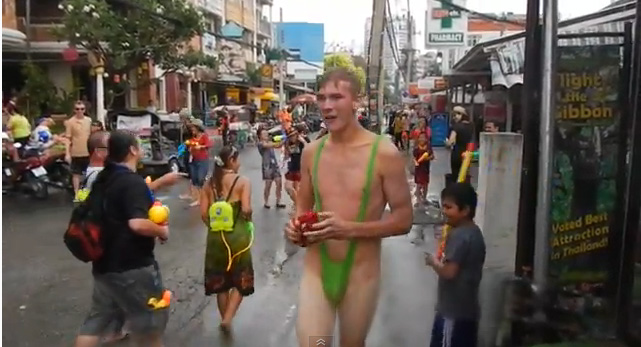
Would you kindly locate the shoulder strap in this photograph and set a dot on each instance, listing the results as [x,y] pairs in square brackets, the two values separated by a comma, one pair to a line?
[368,179]
[83,184]
[317,198]
[369,173]
[231,189]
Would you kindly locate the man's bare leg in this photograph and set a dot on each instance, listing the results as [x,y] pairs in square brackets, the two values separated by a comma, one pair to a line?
[356,312]
[75,182]
[222,299]
[316,316]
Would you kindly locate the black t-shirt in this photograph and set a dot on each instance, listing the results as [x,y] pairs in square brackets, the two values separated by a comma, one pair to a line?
[295,154]
[127,197]
[464,134]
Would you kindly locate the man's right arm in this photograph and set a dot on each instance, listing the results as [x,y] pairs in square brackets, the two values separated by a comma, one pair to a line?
[305,195]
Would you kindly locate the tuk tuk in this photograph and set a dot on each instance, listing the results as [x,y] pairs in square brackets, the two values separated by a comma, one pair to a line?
[160,137]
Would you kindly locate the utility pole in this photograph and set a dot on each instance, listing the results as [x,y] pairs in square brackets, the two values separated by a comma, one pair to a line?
[281,65]
[410,46]
[548,112]
[375,76]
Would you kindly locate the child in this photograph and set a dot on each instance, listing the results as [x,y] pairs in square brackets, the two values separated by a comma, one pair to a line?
[423,154]
[459,271]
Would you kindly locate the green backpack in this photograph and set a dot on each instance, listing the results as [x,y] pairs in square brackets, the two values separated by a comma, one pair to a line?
[221,213]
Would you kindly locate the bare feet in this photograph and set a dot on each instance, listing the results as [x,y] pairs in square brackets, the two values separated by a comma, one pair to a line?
[184,196]
[225,329]
[194,203]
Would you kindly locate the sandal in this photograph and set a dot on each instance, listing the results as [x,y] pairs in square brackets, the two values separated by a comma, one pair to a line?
[267,206]
[281,206]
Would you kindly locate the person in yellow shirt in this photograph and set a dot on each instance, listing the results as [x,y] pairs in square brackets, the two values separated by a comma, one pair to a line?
[19,127]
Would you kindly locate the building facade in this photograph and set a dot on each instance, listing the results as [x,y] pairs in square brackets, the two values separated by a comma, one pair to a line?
[305,43]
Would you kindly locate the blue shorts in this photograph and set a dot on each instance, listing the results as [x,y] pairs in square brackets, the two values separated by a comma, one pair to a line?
[199,170]
[454,332]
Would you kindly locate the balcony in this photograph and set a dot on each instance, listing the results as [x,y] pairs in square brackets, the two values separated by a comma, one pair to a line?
[41,28]
[264,27]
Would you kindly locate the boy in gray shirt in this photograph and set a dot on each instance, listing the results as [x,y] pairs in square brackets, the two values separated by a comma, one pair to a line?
[459,269]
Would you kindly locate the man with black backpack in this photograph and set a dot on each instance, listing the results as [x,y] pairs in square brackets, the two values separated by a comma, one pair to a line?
[126,274]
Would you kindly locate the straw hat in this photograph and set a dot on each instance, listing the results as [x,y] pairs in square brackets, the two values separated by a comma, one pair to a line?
[199,124]
[459,109]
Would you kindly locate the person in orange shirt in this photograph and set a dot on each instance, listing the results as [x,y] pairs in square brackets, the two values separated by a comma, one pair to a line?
[286,118]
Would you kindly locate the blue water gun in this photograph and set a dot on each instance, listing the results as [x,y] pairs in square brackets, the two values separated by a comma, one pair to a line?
[182,150]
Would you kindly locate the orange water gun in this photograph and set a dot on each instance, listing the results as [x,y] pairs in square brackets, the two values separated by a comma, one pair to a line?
[462,174]
[164,301]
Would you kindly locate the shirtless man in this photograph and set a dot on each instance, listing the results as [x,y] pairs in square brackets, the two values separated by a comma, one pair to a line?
[337,165]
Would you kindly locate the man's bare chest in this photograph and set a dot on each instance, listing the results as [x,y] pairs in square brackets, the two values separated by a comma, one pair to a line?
[342,179]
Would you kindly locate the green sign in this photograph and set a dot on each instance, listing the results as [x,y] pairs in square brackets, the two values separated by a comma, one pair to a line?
[446,14]
[585,164]
[445,37]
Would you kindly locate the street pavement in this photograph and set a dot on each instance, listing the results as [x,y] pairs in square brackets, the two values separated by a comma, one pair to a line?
[46,291]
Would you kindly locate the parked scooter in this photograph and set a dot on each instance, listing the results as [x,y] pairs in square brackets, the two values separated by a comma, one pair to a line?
[58,171]
[26,175]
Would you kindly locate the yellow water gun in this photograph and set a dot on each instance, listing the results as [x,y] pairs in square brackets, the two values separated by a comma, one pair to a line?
[462,174]
[164,301]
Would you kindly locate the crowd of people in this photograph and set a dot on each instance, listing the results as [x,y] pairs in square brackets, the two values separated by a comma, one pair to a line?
[345,180]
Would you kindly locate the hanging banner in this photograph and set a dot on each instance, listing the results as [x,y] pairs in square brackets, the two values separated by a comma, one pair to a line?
[585,164]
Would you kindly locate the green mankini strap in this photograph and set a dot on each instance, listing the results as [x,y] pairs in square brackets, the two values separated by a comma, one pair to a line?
[335,274]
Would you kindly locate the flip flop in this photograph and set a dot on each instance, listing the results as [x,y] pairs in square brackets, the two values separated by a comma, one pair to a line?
[281,206]
[267,206]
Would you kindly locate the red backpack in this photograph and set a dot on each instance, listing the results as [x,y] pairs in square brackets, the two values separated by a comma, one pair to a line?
[84,236]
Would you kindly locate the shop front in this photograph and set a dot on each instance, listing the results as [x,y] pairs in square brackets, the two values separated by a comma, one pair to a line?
[594,278]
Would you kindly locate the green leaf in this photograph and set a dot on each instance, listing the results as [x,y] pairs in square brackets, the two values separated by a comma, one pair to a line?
[128,34]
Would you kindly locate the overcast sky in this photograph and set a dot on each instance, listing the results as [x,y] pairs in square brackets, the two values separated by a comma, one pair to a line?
[345,19]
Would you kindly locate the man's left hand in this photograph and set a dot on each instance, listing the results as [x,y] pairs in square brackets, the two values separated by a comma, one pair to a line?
[331,226]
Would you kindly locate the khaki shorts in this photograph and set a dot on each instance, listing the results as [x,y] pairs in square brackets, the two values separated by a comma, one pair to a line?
[124,295]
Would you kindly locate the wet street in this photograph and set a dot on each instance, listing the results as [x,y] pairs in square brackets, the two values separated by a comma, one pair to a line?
[46,291]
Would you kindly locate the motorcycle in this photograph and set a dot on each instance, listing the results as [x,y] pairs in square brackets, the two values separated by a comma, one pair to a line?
[25,175]
[58,171]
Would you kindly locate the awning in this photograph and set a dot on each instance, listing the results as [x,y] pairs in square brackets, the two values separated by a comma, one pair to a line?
[12,37]
[298,88]
[504,58]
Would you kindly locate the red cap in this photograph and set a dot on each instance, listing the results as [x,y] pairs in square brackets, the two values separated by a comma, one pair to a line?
[470,147]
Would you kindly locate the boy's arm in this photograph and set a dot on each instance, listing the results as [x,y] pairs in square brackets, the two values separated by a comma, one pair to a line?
[456,249]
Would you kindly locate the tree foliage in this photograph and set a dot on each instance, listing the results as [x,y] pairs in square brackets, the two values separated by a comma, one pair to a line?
[129,33]
[345,61]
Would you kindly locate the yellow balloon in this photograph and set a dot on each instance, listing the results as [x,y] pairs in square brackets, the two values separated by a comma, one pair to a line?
[159,214]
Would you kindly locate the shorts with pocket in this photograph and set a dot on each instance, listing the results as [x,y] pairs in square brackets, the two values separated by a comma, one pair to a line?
[120,296]
[79,165]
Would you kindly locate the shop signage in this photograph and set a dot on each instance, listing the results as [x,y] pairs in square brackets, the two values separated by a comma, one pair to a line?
[267,75]
[446,37]
[585,167]
[208,44]
[445,24]
[444,13]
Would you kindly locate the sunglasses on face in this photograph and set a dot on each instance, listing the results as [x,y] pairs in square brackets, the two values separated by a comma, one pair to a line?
[80,108]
